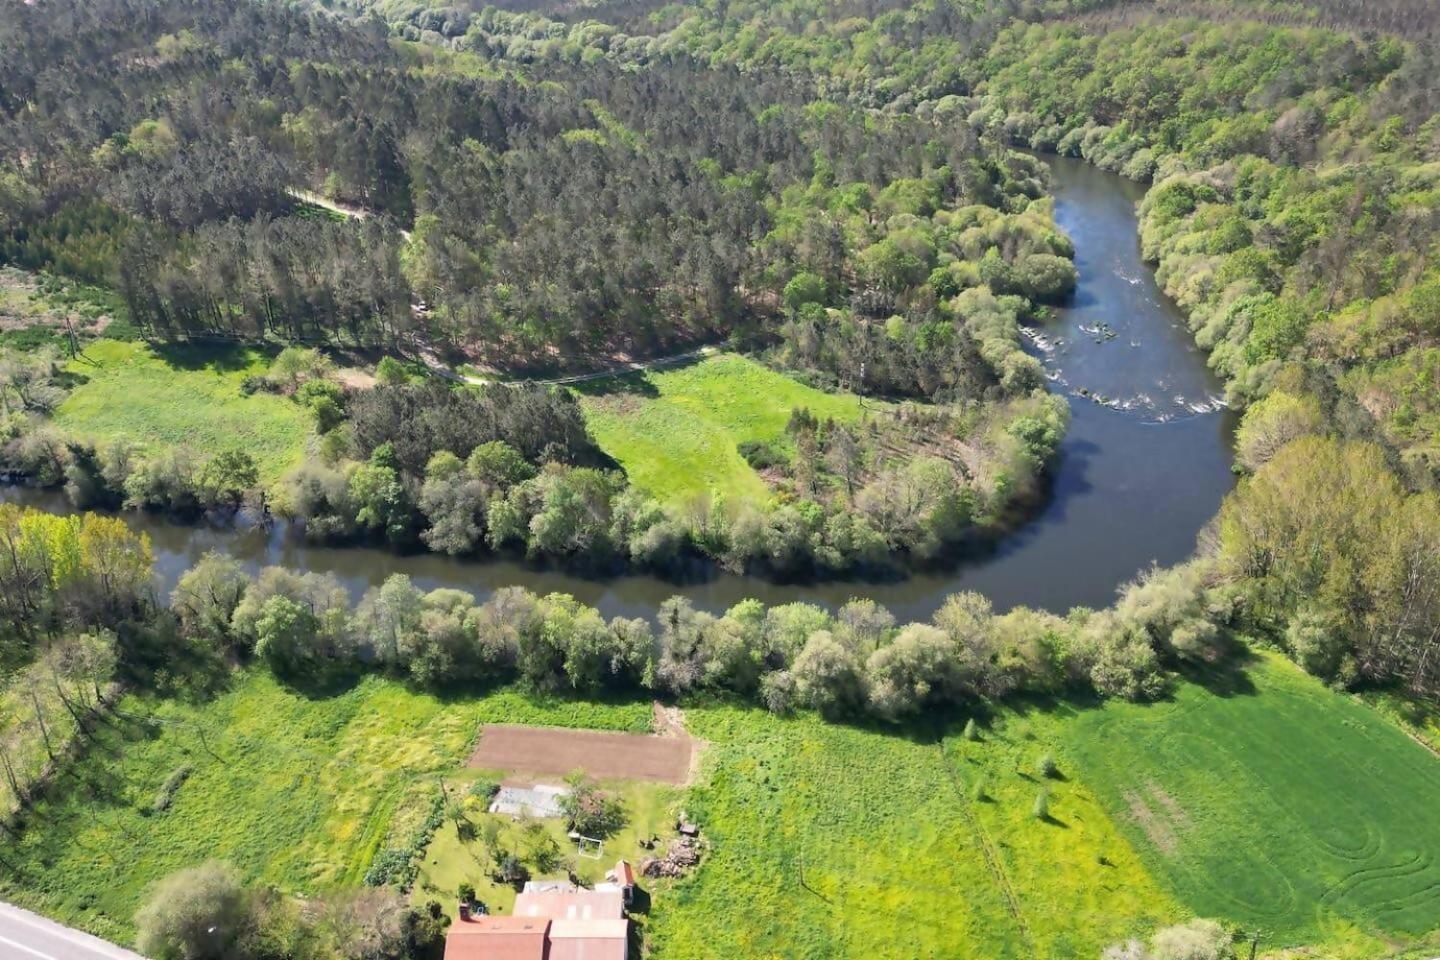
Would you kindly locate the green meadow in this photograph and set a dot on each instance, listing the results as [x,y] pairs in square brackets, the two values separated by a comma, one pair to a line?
[185,397]
[675,431]
[1259,798]
[1273,802]
[839,841]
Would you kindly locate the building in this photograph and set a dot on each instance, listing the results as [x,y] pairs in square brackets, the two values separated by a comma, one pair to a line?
[553,920]
[497,938]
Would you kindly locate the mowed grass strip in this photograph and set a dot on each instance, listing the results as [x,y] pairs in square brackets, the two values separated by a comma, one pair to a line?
[184,397]
[1275,803]
[294,790]
[676,431]
[832,841]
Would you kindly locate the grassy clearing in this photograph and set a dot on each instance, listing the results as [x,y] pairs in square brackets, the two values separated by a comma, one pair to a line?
[184,396]
[296,791]
[832,841]
[675,431]
[451,860]
[1275,803]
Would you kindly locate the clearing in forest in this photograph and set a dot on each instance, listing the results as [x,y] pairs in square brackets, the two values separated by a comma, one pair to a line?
[187,397]
[547,751]
[1273,802]
[676,431]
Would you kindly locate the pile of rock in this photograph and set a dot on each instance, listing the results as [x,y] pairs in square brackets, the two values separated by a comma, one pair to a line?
[680,858]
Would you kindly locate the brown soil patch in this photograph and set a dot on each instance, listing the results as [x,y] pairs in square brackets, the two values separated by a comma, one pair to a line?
[1161,833]
[604,756]
[1177,813]
[353,378]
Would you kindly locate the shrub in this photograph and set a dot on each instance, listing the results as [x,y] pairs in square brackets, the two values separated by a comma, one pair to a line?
[1041,810]
[166,794]
[1046,766]
[971,731]
[762,456]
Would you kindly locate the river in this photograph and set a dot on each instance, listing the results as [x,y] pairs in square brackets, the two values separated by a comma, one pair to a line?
[1137,477]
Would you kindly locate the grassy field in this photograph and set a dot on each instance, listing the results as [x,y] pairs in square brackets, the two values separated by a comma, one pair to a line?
[296,791]
[675,431]
[186,397]
[833,841]
[1275,803]
[1265,800]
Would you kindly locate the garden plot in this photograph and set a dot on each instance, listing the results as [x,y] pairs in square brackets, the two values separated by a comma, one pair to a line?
[548,751]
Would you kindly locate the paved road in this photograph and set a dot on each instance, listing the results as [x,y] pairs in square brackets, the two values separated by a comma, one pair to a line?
[28,936]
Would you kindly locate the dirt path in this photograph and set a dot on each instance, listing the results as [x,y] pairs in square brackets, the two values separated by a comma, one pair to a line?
[343,209]
[637,366]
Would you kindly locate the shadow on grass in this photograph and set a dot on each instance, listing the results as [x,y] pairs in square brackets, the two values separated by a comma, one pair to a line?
[1229,678]
[620,385]
[220,357]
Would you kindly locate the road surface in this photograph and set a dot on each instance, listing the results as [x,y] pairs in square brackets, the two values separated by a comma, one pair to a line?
[28,936]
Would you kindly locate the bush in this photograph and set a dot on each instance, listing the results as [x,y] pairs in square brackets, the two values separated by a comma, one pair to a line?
[166,794]
[1046,767]
[1041,810]
[762,456]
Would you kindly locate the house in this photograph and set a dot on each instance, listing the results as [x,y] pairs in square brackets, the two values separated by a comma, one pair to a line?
[553,920]
[497,938]
[566,902]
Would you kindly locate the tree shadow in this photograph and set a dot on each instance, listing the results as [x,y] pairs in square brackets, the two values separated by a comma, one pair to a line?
[323,685]
[1228,678]
[200,355]
[621,385]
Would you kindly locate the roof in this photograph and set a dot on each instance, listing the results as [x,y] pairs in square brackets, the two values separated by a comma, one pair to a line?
[589,939]
[624,873]
[497,938]
[541,800]
[571,904]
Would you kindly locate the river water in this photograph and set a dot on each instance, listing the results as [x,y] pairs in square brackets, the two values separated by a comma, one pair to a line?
[1142,469]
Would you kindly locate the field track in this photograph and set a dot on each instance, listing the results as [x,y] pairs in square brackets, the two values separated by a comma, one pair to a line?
[605,756]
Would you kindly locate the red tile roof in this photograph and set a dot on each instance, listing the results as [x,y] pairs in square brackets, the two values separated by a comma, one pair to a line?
[497,938]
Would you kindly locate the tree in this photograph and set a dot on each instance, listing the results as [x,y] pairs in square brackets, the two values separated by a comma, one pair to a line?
[286,635]
[227,477]
[201,913]
[915,669]
[828,675]
[589,810]
[1272,422]
[206,595]
[382,504]
[388,619]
